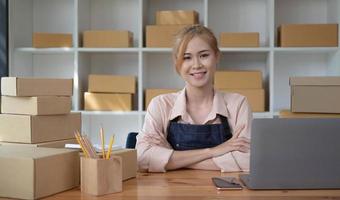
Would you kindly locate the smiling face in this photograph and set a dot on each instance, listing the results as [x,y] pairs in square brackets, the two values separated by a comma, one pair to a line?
[199,63]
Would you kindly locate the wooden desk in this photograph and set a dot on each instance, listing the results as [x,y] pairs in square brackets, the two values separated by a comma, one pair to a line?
[193,184]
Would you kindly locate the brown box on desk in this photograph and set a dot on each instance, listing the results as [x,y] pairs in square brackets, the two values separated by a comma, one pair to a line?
[13,86]
[32,173]
[315,94]
[108,102]
[308,35]
[36,129]
[107,39]
[50,40]
[171,17]
[238,79]
[161,35]
[288,114]
[42,105]
[151,93]
[52,144]
[255,97]
[129,161]
[228,39]
[112,83]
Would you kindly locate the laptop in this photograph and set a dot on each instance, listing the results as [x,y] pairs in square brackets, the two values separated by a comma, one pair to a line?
[294,154]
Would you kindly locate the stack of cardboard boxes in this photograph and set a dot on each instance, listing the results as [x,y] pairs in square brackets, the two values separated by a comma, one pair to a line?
[110,93]
[36,112]
[314,97]
[247,83]
[168,23]
[151,93]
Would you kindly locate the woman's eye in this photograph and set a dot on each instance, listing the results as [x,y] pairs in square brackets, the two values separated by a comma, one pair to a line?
[186,58]
[204,55]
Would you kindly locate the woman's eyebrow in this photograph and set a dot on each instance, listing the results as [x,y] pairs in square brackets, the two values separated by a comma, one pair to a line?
[204,50]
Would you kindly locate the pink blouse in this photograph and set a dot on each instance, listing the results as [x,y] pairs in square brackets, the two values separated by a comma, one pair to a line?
[153,149]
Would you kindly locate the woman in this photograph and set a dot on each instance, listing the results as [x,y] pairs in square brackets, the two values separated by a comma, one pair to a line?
[198,127]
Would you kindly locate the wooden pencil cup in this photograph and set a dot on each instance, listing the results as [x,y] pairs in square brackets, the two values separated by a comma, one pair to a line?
[101,176]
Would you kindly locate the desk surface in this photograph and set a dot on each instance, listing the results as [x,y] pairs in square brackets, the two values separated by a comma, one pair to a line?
[192,184]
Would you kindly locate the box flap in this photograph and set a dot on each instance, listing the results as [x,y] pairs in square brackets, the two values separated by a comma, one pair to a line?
[320,80]
[30,152]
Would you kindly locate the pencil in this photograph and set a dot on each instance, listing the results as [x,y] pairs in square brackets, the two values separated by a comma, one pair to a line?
[108,153]
[81,145]
[103,141]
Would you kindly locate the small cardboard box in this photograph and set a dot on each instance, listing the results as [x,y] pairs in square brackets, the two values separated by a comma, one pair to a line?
[315,94]
[172,17]
[308,35]
[101,176]
[228,39]
[238,80]
[288,114]
[13,86]
[38,128]
[255,97]
[112,84]
[161,35]
[151,93]
[108,102]
[107,39]
[52,144]
[32,173]
[129,162]
[50,40]
[36,105]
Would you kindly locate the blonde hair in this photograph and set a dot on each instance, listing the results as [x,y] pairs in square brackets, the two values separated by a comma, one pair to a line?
[184,36]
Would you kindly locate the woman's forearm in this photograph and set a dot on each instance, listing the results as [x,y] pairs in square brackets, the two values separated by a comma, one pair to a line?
[180,159]
[207,164]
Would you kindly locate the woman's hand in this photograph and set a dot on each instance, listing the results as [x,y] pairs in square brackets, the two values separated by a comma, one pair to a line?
[241,144]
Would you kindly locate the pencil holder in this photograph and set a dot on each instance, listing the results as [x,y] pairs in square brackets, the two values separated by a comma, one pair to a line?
[101,176]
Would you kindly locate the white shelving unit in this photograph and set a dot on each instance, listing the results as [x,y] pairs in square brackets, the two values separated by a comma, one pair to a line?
[153,66]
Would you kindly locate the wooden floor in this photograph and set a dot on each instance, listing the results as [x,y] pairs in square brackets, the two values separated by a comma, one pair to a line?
[193,184]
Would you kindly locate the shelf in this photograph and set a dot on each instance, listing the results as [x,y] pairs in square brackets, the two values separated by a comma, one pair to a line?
[45,50]
[306,49]
[109,112]
[260,49]
[147,49]
[262,115]
[119,50]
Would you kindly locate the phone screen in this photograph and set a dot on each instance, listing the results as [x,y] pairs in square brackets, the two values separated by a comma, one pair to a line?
[226,183]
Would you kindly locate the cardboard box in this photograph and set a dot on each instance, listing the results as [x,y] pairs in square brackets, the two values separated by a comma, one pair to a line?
[238,80]
[308,35]
[108,102]
[255,97]
[161,35]
[151,93]
[50,40]
[228,39]
[288,114]
[39,128]
[107,39]
[101,176]
[32,173]
[171,17]
[112,84]
[129,162]
[36,105]
[315,94]
[52,144]
[13,86]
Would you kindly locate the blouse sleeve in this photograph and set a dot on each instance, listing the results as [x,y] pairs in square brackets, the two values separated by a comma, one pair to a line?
[236,160]
[153,150]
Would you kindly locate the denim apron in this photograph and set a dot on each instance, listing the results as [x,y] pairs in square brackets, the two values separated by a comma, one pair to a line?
[193,136]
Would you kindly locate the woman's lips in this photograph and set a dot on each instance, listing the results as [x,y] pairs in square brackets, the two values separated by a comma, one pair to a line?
[198,75]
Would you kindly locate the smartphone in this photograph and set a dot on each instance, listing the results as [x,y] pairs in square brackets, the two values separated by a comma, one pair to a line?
[227,183]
